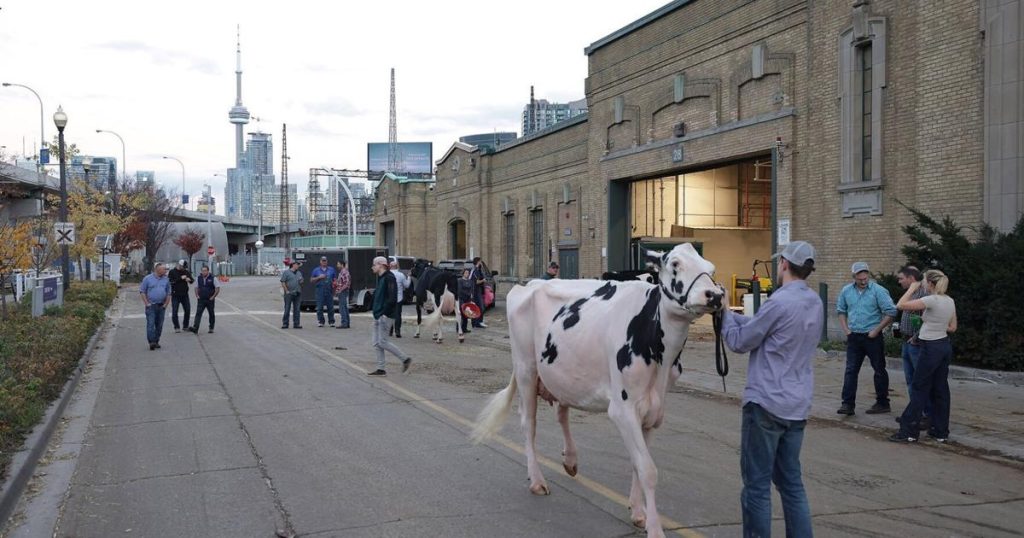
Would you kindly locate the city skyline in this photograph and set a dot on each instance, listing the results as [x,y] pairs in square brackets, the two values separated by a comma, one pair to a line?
[167,95]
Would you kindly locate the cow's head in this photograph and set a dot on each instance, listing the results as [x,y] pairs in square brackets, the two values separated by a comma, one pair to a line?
[418,266]
[687,281]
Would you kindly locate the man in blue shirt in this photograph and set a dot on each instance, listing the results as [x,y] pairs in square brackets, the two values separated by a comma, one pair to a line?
[865,308]
[782,339]
[323,278]
[156,294]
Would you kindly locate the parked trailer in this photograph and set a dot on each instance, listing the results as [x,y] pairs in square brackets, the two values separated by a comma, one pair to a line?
[360,267]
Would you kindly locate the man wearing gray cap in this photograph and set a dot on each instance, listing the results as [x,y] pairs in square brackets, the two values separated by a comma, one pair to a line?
[385,297]
[865,308]
[782,339]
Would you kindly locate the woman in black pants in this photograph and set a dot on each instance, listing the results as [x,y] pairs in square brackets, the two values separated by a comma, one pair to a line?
[931,376]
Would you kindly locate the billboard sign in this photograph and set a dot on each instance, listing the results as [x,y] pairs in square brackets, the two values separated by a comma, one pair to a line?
[414,159]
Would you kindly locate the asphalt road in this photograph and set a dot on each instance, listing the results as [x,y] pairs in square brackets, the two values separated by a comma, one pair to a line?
[255,429]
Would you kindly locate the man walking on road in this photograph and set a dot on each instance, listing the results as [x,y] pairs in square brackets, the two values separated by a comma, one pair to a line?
[385,296]
[323,277]
[865,308]
[782,339]
[291,290]
[342,287]
[156,294]
[181,279]
[207,289]
[402,282]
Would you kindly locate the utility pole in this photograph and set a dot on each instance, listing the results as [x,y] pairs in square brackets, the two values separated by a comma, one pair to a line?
[284,217]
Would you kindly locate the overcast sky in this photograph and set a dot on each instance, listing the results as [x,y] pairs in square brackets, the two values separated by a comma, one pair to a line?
[162,76]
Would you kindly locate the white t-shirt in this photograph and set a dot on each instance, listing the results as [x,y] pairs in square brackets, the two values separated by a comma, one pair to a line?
[939,311]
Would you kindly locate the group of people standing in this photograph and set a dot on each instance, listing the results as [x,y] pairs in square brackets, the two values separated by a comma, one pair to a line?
[782,341]
[160,289]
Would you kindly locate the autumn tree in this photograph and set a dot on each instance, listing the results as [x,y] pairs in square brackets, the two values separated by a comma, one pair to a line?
[15,253]
[191,240]
[92,212]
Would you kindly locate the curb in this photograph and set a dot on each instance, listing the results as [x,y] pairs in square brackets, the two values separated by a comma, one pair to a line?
[24,464]
[955,372]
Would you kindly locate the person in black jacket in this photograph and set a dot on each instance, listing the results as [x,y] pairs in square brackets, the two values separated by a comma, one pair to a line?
[385,300]
[207,290]
[181,279]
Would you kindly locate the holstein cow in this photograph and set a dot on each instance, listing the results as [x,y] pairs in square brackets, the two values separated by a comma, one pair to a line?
[604,346]
[432,283]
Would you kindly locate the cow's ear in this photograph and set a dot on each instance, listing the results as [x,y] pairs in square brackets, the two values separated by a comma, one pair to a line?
[654,258]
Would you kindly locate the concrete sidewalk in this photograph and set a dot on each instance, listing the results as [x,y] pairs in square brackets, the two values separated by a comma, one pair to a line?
[985,415]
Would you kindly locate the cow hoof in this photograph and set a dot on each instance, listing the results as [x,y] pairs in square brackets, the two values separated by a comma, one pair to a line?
[462,340]
[571,471]
[540,489]
[639,521]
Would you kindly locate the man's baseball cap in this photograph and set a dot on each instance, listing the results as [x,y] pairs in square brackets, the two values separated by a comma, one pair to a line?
[323,258]
[858,267]
[181,262]
[798,253]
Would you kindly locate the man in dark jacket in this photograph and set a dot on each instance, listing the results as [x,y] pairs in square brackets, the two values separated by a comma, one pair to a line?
[207,290]
[385,299]
[181,279]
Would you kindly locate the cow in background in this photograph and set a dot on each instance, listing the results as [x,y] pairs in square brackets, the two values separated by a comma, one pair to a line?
[431,285]
[604,346]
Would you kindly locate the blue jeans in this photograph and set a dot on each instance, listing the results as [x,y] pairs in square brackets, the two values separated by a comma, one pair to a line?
[292,301]
[931,381]
[770,452]
[324,299]
[910,355]
[343,307]
[155,322]
[858,345]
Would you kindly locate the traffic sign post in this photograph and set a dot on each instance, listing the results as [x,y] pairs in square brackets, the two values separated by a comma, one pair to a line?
[64,233]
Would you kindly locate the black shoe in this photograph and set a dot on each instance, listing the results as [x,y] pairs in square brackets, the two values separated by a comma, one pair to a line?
[406,364]
[845,410]
[157,345]
[298,326]
[900,437]
[192,329]
[380,373]
[152,347]
[938,438]
[284,326]
[878,409]
[210,331]
[398,336]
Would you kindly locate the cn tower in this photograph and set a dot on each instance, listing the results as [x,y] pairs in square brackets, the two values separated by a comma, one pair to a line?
[239,115]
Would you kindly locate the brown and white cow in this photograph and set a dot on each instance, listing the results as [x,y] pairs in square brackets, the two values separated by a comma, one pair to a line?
[604,346]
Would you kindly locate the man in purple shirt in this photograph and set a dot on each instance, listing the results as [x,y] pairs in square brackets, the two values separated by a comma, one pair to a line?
[782,339]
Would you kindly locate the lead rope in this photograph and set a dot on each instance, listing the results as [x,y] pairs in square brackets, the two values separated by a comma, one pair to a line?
[721,359]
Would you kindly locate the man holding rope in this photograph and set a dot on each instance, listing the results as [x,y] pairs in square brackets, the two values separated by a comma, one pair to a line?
[782,339]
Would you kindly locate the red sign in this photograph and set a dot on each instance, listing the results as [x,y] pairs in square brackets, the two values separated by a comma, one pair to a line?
[210,250]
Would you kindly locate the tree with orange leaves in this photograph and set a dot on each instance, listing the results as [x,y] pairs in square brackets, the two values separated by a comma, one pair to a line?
[15,254]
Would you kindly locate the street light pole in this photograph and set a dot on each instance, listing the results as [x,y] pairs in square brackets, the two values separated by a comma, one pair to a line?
[124,163]
[42,133]
[60,119]
[182,178]
[209,220]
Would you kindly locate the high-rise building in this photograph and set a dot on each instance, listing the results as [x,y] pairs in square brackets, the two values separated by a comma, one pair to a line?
[540,114]
[488,141]
[145,178]
[102,174]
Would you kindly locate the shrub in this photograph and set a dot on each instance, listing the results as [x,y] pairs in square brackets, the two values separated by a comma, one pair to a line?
[981,275]
[37,355]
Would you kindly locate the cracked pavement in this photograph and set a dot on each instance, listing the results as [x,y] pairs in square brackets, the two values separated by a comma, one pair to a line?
[256,431]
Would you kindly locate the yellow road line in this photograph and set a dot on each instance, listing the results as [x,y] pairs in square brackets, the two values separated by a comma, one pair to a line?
[592,485]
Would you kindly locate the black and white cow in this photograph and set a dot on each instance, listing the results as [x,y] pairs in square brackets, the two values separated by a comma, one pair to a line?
[604,346]
[432,284]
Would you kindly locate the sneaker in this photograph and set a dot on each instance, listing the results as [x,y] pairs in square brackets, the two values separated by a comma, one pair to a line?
[177,330]
[284,326]
[878,409]
[193,329]
[845,410]
[319,324]
[380,373]
[900,437]
[482,325]
[331,324]
[157,345]
[298,326]
[406,364]
[938,438]
[152,347]
[210,331]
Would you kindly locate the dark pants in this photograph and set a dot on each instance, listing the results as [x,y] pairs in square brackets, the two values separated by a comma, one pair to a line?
[292,302]
[478,298]
[931,383]
[858,345]
[204,304]
[911,353]
[343,307]
[464,318]
[155,322]
[186,304]
[324,300]
[770,452]
[397,328]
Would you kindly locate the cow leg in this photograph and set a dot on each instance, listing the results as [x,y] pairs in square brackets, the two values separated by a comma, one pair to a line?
[627,420]
[636,496]
[528,421]
[569,452]
[419,318]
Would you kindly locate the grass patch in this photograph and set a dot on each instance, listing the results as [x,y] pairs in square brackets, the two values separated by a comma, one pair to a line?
[37,355]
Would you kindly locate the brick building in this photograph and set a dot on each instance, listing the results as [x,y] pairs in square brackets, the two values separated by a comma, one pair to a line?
[697,110]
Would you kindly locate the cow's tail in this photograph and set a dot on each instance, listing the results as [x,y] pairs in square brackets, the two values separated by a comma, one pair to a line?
[494,413]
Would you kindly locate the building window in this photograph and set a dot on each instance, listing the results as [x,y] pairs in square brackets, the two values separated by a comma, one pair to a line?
[510,244]
[537,241]
[865,117]
[862,82]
